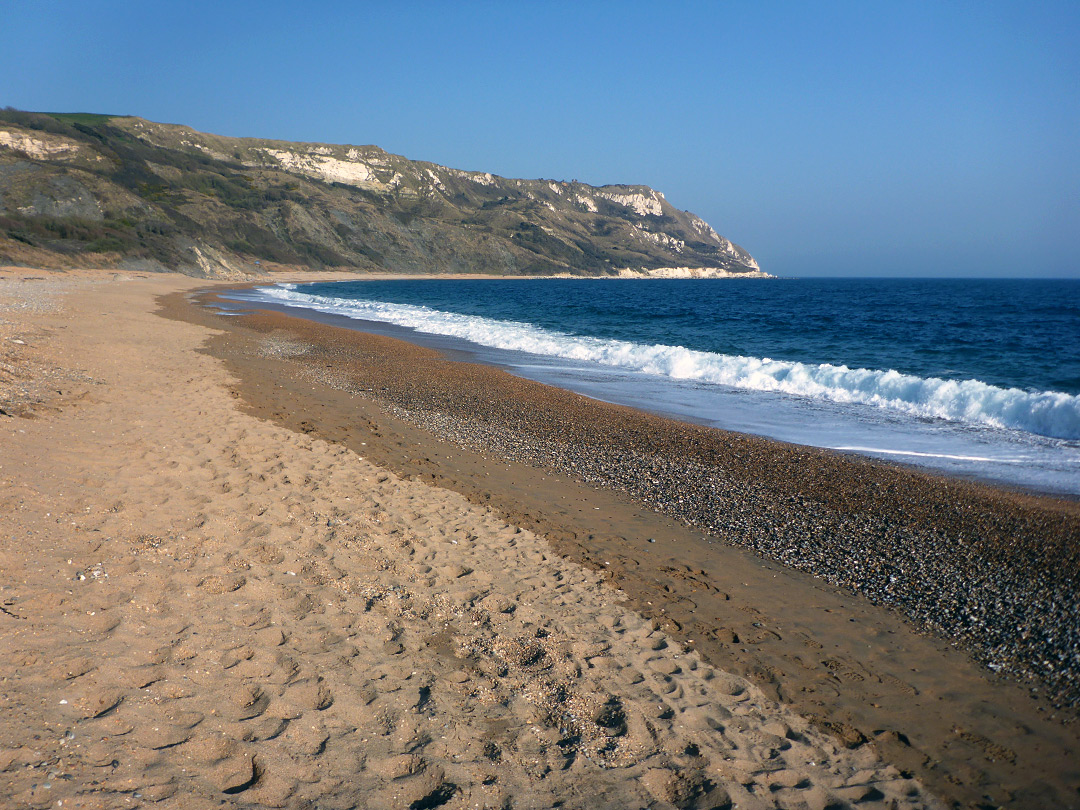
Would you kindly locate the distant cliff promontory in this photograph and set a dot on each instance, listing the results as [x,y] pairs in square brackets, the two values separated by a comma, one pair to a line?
[116,191]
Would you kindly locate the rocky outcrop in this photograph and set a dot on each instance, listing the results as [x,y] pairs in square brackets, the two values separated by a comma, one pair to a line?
[121,190]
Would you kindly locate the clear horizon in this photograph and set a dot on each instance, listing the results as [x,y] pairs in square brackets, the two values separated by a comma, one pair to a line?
[926,140]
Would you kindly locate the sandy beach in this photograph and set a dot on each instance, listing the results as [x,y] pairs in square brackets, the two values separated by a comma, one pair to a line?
[262,562]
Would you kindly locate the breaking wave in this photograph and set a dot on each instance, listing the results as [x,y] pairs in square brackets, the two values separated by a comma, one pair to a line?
[1045,413]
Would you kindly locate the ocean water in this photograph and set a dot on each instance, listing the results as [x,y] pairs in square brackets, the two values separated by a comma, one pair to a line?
[977,378]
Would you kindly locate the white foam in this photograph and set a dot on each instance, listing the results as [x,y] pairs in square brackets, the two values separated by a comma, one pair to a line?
[886,451]
[1045,413]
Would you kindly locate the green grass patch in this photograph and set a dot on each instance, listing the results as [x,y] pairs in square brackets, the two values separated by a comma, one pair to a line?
[84,118]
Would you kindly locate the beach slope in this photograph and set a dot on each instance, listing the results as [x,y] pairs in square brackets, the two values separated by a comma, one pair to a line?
[205,608]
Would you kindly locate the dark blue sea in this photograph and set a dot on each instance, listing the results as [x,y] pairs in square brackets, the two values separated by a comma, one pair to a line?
[978,378]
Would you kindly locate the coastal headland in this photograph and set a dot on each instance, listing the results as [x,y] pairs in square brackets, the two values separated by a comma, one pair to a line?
[254,560]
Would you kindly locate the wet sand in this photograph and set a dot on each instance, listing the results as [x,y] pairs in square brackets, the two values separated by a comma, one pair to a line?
[233,577]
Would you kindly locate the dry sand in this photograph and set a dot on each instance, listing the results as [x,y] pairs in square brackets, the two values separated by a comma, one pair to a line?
[205,608]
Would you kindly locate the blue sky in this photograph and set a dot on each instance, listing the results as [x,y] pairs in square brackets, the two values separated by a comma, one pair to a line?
[834,138]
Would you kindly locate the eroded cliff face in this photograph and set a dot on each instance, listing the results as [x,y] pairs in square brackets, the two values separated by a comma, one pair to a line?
[123,191]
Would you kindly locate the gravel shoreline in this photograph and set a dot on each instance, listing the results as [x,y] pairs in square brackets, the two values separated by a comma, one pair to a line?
[992,571]
[966,580]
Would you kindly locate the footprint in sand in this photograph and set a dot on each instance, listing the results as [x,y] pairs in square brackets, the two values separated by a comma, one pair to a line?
[843,671]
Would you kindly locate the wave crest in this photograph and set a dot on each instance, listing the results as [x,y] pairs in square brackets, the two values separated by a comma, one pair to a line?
[1047,413]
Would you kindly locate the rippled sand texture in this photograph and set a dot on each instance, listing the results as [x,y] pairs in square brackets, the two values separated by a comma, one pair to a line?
[201,608]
